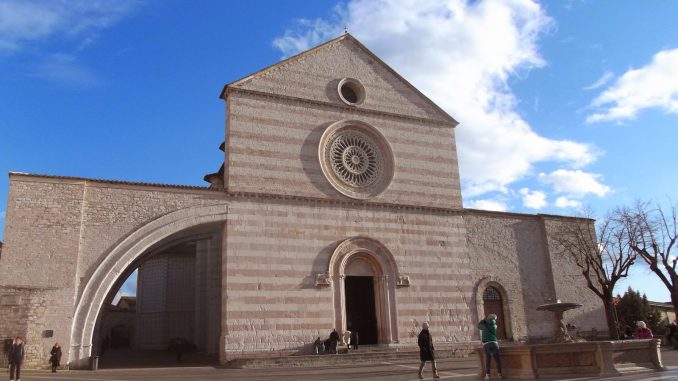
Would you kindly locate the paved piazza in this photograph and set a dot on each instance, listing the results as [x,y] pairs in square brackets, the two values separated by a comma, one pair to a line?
[383,371]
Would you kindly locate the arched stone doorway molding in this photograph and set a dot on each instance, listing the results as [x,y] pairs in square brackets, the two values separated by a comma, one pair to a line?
[118,260]
[366,256]
[495,283]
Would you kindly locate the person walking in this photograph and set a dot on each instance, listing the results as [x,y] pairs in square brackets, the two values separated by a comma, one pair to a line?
[426,351]
[354,340]
[55,357]
[488,330]
[16,359]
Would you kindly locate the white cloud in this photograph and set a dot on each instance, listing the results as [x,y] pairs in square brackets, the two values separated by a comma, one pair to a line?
[566,203]
[652,86]
[488,204]
[602,81]
[575,182]
[460,54]
[65,70]
[25,21]
[533,199]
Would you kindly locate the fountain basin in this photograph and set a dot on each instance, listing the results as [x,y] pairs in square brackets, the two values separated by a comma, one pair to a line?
[577,359]
[560,334]
[558,307]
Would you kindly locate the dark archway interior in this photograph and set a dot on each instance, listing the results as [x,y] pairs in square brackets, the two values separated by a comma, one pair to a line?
[174,317]
[360,309]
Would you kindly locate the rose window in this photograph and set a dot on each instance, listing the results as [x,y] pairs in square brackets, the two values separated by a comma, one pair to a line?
[356,159]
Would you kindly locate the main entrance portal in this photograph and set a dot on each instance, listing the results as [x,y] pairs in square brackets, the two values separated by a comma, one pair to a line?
[364,274]
[360,310]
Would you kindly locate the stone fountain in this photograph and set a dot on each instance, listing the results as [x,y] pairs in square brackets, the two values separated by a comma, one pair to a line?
[560,334]
[565,357]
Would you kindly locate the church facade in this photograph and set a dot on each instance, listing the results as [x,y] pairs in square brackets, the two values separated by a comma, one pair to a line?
[338,206]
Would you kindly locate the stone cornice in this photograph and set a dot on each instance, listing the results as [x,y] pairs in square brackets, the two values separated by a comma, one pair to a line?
[341,107]
[492,213]
[295,198]
[347,202]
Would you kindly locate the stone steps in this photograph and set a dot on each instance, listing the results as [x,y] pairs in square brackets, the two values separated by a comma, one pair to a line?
[365,355]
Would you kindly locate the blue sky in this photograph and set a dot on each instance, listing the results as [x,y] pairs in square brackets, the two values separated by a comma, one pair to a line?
[564,105]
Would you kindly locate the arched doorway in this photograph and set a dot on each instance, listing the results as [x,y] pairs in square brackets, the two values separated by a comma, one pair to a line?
[359,293]
[363,275]
[493,304]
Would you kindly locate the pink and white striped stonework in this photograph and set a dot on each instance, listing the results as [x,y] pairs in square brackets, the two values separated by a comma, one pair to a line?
[339,207]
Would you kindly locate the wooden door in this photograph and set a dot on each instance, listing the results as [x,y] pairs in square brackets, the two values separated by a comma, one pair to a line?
[493,304]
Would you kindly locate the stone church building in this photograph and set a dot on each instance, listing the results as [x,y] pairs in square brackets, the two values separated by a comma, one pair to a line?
[338,205]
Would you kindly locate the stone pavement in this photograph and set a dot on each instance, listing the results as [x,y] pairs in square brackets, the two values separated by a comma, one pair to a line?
[383,372]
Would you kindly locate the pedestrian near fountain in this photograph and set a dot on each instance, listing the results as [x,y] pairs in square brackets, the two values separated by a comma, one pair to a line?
[488,331]
[643,332]
[426,351]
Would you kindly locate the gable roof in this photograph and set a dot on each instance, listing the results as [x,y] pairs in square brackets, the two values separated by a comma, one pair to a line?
[348,37]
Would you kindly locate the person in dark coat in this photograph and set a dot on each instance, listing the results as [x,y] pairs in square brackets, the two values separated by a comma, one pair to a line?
[334,339]
[426,351]
[354,340]
[16,359]
[55,357]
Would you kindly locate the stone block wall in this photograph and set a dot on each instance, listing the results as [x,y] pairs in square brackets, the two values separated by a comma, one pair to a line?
[272,251]
[24,312]
[314,75]
[273,148]
[509,249]
[569,283]
[276,117]
[514,250]
[277,248]
[58,231]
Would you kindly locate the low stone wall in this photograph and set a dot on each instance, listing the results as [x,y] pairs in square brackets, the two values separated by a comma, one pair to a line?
[583,359]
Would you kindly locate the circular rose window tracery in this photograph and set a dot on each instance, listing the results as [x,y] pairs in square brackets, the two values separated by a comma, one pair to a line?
[356,159]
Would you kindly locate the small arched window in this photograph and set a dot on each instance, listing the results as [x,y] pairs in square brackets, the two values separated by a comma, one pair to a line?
[493,304]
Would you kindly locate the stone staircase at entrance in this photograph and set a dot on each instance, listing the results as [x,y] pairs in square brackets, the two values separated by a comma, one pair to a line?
[457,357]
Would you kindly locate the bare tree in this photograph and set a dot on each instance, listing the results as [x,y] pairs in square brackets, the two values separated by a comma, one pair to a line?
[603,254]
[652,233]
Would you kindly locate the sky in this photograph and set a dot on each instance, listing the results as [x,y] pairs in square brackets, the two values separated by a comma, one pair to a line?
[564,105]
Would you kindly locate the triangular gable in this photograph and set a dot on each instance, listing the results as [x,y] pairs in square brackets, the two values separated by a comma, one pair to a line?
[313,73]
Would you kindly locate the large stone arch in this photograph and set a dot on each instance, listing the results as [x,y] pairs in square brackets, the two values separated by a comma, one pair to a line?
[383,266]
[507,301]
[103,278]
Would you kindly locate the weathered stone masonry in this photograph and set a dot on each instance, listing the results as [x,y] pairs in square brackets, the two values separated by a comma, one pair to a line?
[288,235]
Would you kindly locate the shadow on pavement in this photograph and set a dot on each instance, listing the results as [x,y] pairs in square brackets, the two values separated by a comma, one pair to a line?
[128,358]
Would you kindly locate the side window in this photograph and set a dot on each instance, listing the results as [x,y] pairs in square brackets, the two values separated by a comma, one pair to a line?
[493,304]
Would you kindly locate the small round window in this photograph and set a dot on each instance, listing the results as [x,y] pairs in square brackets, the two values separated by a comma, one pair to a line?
[351,91]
